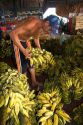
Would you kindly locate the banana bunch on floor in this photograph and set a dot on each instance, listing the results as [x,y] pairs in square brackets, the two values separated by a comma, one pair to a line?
[50,109]
[3,67]
[42,60]
[78,74]
[15,96]
[78,115]
[72,87]
[5,48]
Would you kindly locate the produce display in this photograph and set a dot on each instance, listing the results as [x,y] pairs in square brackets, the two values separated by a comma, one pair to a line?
[51,109]
[62,69]
[15,97]
[5,48]
[42,60]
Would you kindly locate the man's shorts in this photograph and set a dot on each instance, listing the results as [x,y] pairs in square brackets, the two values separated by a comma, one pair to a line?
[24,63]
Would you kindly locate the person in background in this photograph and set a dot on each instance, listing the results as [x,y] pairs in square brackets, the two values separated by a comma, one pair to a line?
[20,36]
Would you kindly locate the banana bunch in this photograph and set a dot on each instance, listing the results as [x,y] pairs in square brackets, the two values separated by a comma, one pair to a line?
[50,110]
[15,96]
[66,84]
[78,115]
[5,48]
[3,67]
[42,60]
[72,88]
[78,74]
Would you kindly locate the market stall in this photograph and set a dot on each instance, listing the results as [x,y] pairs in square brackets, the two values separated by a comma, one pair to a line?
[58,65]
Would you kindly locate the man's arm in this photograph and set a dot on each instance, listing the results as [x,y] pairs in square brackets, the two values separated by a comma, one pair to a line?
[37,42]
[16,40]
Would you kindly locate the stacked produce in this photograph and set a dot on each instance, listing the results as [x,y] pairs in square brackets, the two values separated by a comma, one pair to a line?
[72,86]
[78,115]
[70,52]
[50,109]
[42,60]
[15,98]
[5,48]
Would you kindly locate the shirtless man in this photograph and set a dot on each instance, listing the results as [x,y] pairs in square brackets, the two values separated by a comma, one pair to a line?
[24,30]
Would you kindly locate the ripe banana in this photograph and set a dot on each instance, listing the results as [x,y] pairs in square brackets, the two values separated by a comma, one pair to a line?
[49,121]
[56,119]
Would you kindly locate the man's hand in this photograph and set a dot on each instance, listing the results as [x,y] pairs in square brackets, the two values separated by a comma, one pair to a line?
[27,54]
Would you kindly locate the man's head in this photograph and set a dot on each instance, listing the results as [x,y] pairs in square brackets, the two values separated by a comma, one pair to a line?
[54,23]
[46,26]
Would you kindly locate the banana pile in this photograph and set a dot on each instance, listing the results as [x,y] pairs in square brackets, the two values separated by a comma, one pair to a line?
[15,97]
[72,86]
[78,114]
[42,60]
[3,67]
[50,109]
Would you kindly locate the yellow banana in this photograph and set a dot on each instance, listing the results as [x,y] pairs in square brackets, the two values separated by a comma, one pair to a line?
[49,121]
[43,118]
[49,113]
[8,110]
[31,62]
[42,111]
[64,115]
[48,95]
[28,108]
[53,93]
[12,101]
[44,123]
[45,101]
[47,105]
[40,61]
[6,99]
[56,120]
[53,106]
[35,60]
[2,101]
[17,108]
[41,97]
[25,112]
[31,94]
[20,96]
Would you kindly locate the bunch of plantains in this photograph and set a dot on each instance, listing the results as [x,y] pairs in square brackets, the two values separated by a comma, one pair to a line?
[50,109]
[3,67]
[78,115]
[5,48]
[15,98]
[42,60]
[72,86]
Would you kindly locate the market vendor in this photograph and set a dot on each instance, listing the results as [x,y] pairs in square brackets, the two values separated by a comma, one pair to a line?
[20,35]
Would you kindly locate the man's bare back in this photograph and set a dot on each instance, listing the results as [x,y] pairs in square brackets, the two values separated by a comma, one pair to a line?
[31,27]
